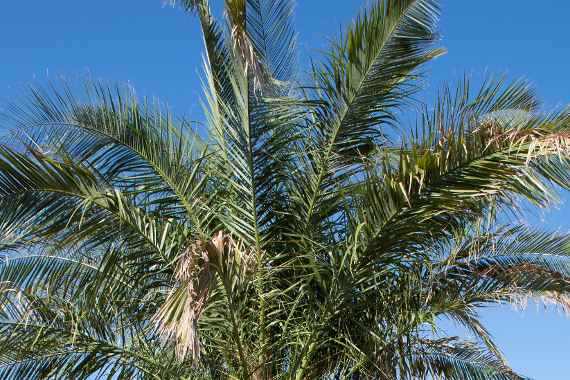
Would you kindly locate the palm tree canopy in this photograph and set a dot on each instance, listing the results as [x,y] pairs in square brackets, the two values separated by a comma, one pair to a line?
[302,231]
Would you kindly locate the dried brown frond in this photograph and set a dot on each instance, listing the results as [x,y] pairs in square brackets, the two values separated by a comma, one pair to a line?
[177,319]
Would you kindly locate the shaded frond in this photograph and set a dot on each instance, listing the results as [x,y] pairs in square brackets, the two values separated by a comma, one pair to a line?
[461,361]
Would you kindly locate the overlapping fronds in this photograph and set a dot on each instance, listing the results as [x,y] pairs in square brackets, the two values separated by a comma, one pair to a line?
[368,74]
[291,237]
[468,159]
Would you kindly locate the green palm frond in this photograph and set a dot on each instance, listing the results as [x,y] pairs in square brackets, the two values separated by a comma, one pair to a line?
[460,360]
[368,74]
[269,26]
[369,71]
[126,143]
[467,160]
[73,194]
[73,342]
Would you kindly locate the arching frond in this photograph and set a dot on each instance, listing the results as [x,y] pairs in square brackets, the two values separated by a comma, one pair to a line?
[468,160]
[460,360]
[369,73]
[126,143]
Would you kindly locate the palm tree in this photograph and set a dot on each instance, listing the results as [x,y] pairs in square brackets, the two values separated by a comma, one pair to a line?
[302,231]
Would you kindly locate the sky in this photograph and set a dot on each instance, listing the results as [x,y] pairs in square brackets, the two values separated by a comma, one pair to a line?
[158,50]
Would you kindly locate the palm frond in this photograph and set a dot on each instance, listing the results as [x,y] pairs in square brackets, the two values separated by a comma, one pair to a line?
[464,164]
[126,143]
[367,76]
[269,27]
[460,360]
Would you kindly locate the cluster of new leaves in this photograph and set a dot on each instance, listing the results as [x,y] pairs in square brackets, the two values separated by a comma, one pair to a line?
[305,233]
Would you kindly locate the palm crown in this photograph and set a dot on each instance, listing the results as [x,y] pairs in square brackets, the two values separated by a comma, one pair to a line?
[303,232]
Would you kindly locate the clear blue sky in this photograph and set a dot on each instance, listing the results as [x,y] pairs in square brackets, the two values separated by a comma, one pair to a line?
[158,50]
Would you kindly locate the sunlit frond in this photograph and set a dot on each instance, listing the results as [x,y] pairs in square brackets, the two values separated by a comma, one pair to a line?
[468,159]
